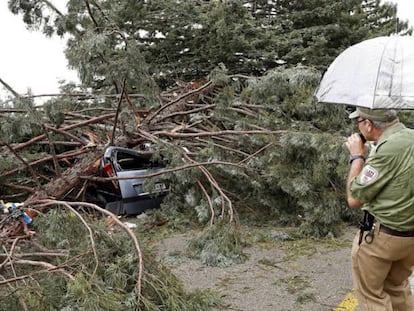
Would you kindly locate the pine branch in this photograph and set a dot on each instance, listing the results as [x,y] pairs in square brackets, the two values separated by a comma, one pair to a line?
[91,120]
[164,171]
[114,219]
[184,113]
[66,133]
[233,150]
[256,153]
[48,268]
[54,8]
[27,165]
[218,133]
[62,156]
[19,187]
[118,109]
[38,254]
[215,184]
[210,203]
[192,92]
[9,88]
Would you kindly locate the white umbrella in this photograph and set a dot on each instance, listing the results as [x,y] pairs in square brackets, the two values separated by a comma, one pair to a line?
[376,73]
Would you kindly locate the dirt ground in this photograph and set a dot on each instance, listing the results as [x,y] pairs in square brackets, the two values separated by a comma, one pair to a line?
[279,275]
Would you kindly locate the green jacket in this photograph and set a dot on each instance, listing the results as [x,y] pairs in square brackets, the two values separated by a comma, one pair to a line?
[386,183]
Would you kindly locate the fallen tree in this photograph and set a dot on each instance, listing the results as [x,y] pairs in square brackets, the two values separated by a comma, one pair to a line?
[234,145]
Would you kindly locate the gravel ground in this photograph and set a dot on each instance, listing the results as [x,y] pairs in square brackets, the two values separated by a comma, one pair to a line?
[293,275]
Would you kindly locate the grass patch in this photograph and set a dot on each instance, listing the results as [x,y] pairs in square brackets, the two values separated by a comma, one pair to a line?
[311,246]
[305,297]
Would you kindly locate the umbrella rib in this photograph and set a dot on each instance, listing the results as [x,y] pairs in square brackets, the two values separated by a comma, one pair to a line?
[393,68]
[402,71]
[378,73]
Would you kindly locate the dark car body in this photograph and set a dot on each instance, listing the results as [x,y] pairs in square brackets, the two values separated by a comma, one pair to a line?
[128,196]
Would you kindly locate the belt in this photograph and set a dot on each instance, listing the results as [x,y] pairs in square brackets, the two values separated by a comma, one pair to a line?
[390,231]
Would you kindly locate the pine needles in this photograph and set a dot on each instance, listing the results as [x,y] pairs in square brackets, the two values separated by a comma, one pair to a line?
[87,264]
[218,245]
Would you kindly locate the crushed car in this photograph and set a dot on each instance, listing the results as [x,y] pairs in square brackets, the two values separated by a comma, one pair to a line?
[127,195]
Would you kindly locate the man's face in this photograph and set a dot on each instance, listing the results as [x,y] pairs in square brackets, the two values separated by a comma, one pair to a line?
[363,125]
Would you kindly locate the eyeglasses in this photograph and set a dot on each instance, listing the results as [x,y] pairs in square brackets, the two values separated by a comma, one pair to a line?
[359,121]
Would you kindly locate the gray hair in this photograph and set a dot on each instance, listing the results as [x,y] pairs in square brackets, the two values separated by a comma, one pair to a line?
[392,114]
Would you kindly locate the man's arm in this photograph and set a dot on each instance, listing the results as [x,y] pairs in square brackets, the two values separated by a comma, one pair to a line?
[356,148]
[355,170]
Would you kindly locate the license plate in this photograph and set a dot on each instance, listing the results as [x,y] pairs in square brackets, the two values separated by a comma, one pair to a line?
[160,187]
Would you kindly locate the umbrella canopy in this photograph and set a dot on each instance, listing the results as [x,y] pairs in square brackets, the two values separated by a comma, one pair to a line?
[376,73]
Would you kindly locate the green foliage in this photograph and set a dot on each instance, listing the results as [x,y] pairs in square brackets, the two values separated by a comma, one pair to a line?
[168,41]
[298,173]
[114,284]
[218,245]
[38,14]
[55,110]
[407,117]
[19,127]
[297,178]
[305,178]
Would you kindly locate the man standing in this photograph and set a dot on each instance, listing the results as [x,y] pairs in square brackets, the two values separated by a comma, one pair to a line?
[382,184]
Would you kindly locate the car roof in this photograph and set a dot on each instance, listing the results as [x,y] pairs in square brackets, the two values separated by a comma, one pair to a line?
[110,150]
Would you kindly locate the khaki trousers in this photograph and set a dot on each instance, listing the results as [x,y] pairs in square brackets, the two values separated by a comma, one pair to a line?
[380,272]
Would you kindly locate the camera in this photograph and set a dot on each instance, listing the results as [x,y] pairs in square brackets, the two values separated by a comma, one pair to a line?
[362,138]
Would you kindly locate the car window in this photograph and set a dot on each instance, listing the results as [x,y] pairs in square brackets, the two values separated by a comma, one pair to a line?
[127,161]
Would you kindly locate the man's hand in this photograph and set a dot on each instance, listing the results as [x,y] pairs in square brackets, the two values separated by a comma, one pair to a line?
[355,145]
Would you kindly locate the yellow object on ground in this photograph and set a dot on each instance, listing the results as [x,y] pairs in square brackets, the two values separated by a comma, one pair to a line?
[348,304]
